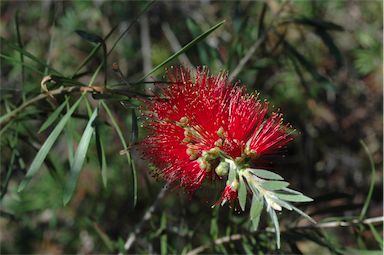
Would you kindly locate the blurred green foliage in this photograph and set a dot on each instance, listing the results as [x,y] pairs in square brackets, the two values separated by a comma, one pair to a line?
[320,62]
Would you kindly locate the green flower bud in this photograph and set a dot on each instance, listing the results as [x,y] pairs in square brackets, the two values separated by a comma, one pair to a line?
[222,169]
[235,185]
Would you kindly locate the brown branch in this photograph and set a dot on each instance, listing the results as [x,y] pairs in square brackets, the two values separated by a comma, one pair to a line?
[148,215]
[333,224]
[62,90]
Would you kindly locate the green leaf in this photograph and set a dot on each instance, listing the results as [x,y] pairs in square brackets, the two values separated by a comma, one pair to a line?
[308,66]
[20,44]
[42,154]
[275,221]
[101,155]
[91,37]
[274,185]
[128,155]
[53,117]
[232,174]
[242,193]
[103,236]
[12,60]
[265,174]
[163,238]
[79,159]
[286,205]
[214,229]
[293,198]
[376,235]
[317,23]
[256,208]
[303,214]
[372,184]
[292,191]
[184,49]
[331,45]
[29,55]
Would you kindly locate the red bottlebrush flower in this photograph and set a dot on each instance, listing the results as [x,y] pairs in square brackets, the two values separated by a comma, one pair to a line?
[229,194]
[195,123]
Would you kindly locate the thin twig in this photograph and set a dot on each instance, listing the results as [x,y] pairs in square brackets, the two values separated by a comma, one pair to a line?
[333,224]
[256,45]
[148,214]
[4,120]
[62,90]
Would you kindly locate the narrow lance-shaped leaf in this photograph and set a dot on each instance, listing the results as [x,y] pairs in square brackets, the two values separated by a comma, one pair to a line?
[163,238]
[53,117]
[292,191]
[20,43]
[275,222]
[242,193]
[256,208]
[103,236]
[293,198]
[303,214]
[274,185]
[265,174]
[185,48]
[14,61]
[128,155]
[372,183]
[27,54]
[79,159]
[323,24]
[101,155]
[376,235]
[232,174]
[91,37]
[42,154]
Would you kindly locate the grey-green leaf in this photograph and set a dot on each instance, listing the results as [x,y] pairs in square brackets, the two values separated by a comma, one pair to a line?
[53,117]
[303,214]
[274,185]
[256,207]
[79,159]
[275,221]
[286,205]
[292,191]
[294,198]
[266,174]
[232,174]
[46,147]
[242,193]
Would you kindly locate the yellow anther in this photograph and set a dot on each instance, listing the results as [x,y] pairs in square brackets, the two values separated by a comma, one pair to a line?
[219,143]
[220,132]
[205,165]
